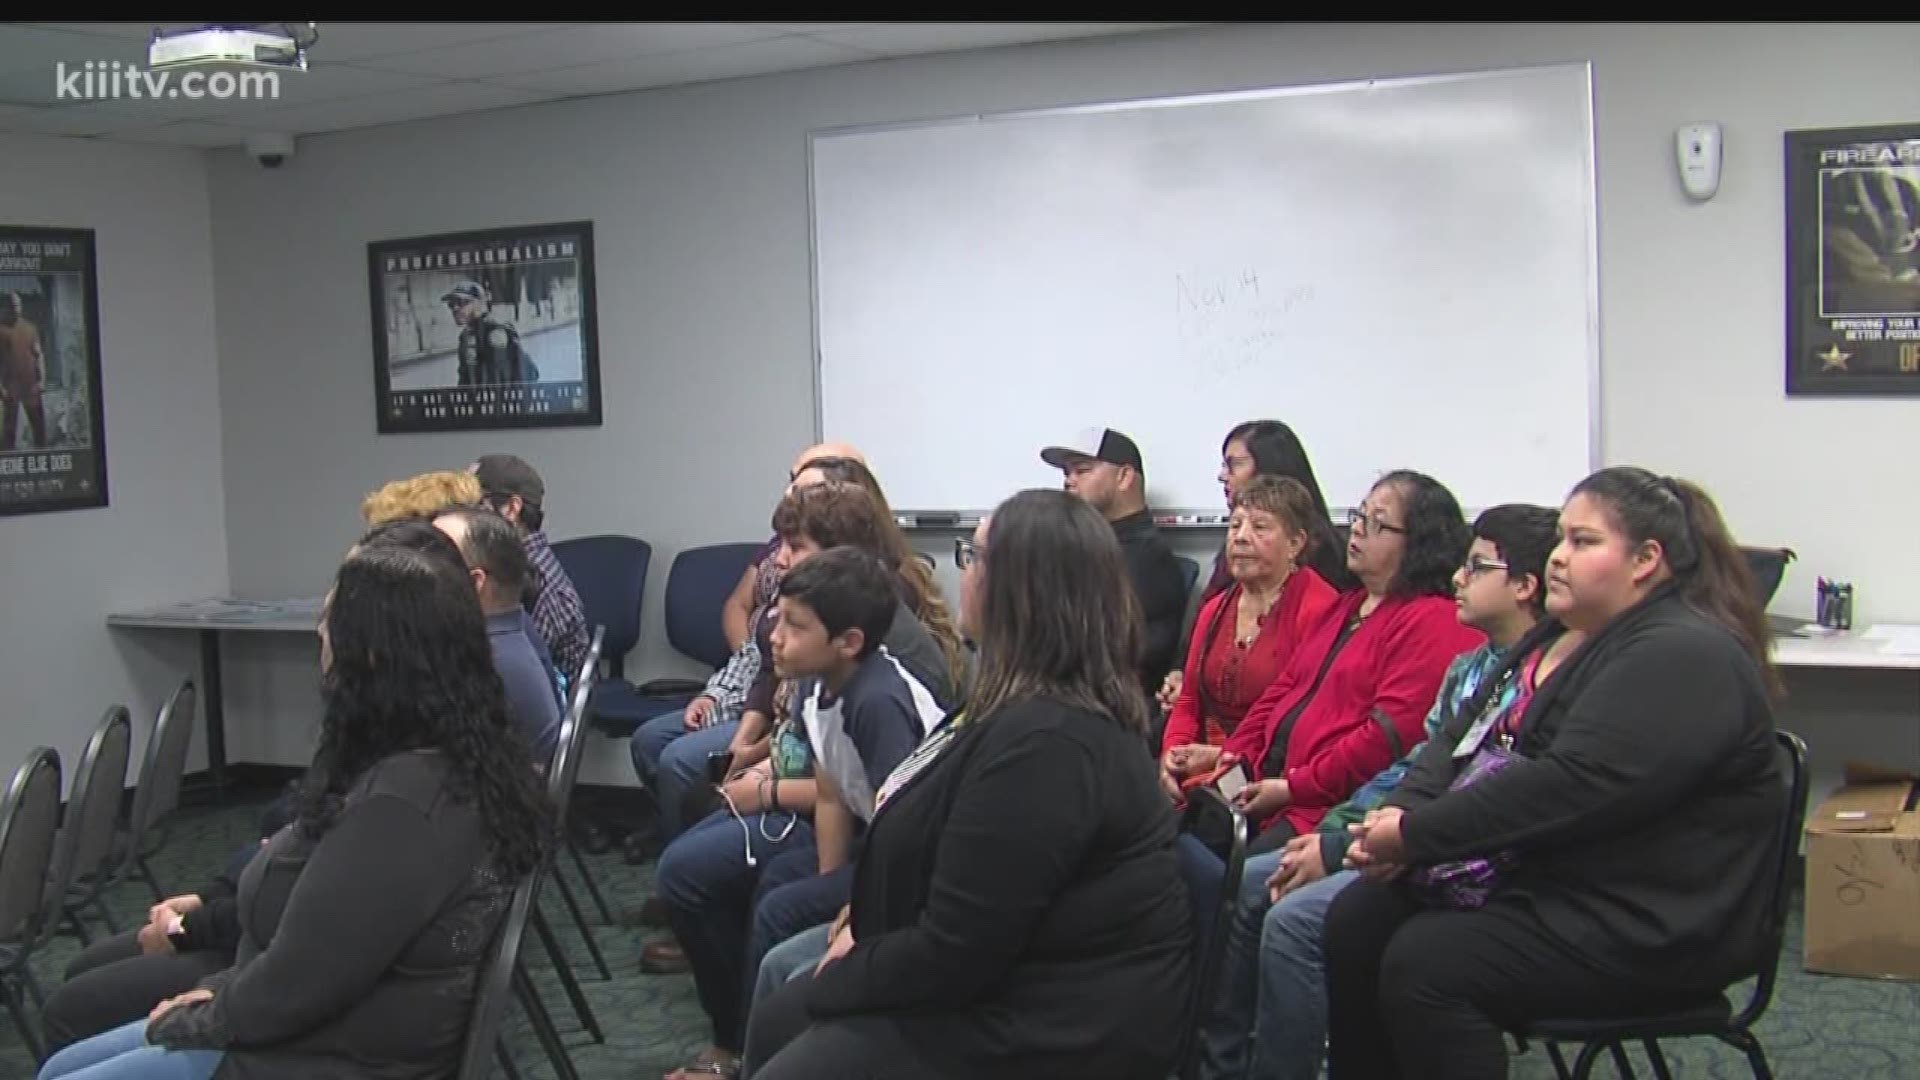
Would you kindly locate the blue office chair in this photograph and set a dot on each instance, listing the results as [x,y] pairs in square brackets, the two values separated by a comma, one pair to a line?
[610,574]
[697,589]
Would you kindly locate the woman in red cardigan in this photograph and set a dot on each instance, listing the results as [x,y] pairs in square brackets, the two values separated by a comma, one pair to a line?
[1357,691]
[1245,635]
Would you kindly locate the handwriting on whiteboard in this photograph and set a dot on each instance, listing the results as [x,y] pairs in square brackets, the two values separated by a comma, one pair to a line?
[1228,322]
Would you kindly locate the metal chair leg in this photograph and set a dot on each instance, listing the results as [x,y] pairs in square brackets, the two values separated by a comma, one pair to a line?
[16,1008]
[579,920]
[100,905]
[543,1028]
[586,878]
[505,1059]
[33,987]
[564,970]
[1744,1042]
[1659,1060]
[146,874]
[1559,1063]
[1583,1064]
[1621,1062]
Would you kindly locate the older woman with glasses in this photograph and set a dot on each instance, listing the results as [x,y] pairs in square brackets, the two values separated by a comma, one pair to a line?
[1357,691]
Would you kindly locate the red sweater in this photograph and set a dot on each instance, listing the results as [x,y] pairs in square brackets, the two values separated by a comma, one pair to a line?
[1302,602]
[1369,709]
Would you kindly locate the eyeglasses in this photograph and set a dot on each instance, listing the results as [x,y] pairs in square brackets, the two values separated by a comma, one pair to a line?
[965,552]
[1360,524]
[1475,566]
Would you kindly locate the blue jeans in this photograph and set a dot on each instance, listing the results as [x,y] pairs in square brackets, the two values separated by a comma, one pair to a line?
[1270,1019]
[670,761]
[709,888]
[123,1054]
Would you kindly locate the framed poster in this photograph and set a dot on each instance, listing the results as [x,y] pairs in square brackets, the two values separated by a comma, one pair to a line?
[53,453]
[489,329]
[1853,261]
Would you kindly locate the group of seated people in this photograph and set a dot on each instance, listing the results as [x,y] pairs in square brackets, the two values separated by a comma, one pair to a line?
[1492,771]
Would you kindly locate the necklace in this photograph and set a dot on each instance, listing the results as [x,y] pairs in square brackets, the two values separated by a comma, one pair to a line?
[1244,640]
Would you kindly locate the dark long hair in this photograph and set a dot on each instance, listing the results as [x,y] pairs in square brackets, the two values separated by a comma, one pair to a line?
[1437,535]
[1699,550]
[1058,617]
[1277,451]
[924,598]
[411,670]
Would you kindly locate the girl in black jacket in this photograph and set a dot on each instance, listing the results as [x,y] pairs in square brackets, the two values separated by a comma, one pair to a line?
[363,923]
[1635,826]
[1018,910]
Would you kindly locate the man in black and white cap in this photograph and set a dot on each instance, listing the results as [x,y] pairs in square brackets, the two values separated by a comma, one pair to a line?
[490,351]
[1103,467]
[512,488]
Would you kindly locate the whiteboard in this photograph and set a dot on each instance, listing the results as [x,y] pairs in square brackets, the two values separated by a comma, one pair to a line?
[1404,270]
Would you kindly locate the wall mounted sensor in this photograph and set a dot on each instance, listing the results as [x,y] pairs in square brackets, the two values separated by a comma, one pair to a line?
[1697,147]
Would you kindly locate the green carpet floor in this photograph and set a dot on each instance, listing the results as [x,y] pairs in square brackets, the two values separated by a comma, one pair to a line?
[1818,1027]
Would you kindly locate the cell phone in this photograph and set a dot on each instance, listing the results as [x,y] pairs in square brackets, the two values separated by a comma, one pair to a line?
[1230,782]
[719,765]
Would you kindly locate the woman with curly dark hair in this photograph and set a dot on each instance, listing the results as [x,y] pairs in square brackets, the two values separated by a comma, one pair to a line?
[1356,692]
[365,921]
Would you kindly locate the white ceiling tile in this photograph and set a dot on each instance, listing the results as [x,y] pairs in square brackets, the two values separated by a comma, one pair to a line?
[70,120]
[356,41]
[443,99]
[190,133]
[790,53]
[906,39]
[574,46]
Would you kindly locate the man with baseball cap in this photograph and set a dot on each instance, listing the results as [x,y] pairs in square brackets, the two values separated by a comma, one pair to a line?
[510,486]
[1103,467]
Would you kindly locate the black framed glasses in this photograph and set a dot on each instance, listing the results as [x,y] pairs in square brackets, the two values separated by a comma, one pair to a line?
[1475,566]
[965,552]
[1361,524]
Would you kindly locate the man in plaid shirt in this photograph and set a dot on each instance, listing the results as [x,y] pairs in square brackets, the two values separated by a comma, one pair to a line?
[512,487]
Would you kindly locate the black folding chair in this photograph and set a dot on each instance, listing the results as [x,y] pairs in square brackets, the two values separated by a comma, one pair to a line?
[85,852]
[496,987]
[157,795]
[1713,1016]
[29,822]
[1211,891]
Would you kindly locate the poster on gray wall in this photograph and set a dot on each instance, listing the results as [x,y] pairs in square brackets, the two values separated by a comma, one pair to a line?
[53,453]
[1853,261]
[489,329]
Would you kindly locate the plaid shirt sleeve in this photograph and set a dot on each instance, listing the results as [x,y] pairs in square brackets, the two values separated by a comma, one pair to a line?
[728,686]
[557,612]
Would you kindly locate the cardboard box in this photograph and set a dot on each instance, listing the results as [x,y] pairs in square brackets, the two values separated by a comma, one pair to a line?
[1863,878]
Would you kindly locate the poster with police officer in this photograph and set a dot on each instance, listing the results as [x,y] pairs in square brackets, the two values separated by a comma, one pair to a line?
[1853,266]
[53,454]
[488,329]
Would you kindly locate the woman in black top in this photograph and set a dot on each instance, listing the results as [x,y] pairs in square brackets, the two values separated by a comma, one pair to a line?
[1018,911]
[1635,827]
[363,923]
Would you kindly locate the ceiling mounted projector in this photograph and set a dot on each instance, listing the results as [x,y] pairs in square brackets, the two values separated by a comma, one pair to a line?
[266,45]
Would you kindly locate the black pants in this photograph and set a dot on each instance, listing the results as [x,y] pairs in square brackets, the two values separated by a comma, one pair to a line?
[852,1048]
[111,983]
[1419,993]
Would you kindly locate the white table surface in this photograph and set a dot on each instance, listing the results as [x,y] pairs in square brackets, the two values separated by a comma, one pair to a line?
[1840,650]
[222,613]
